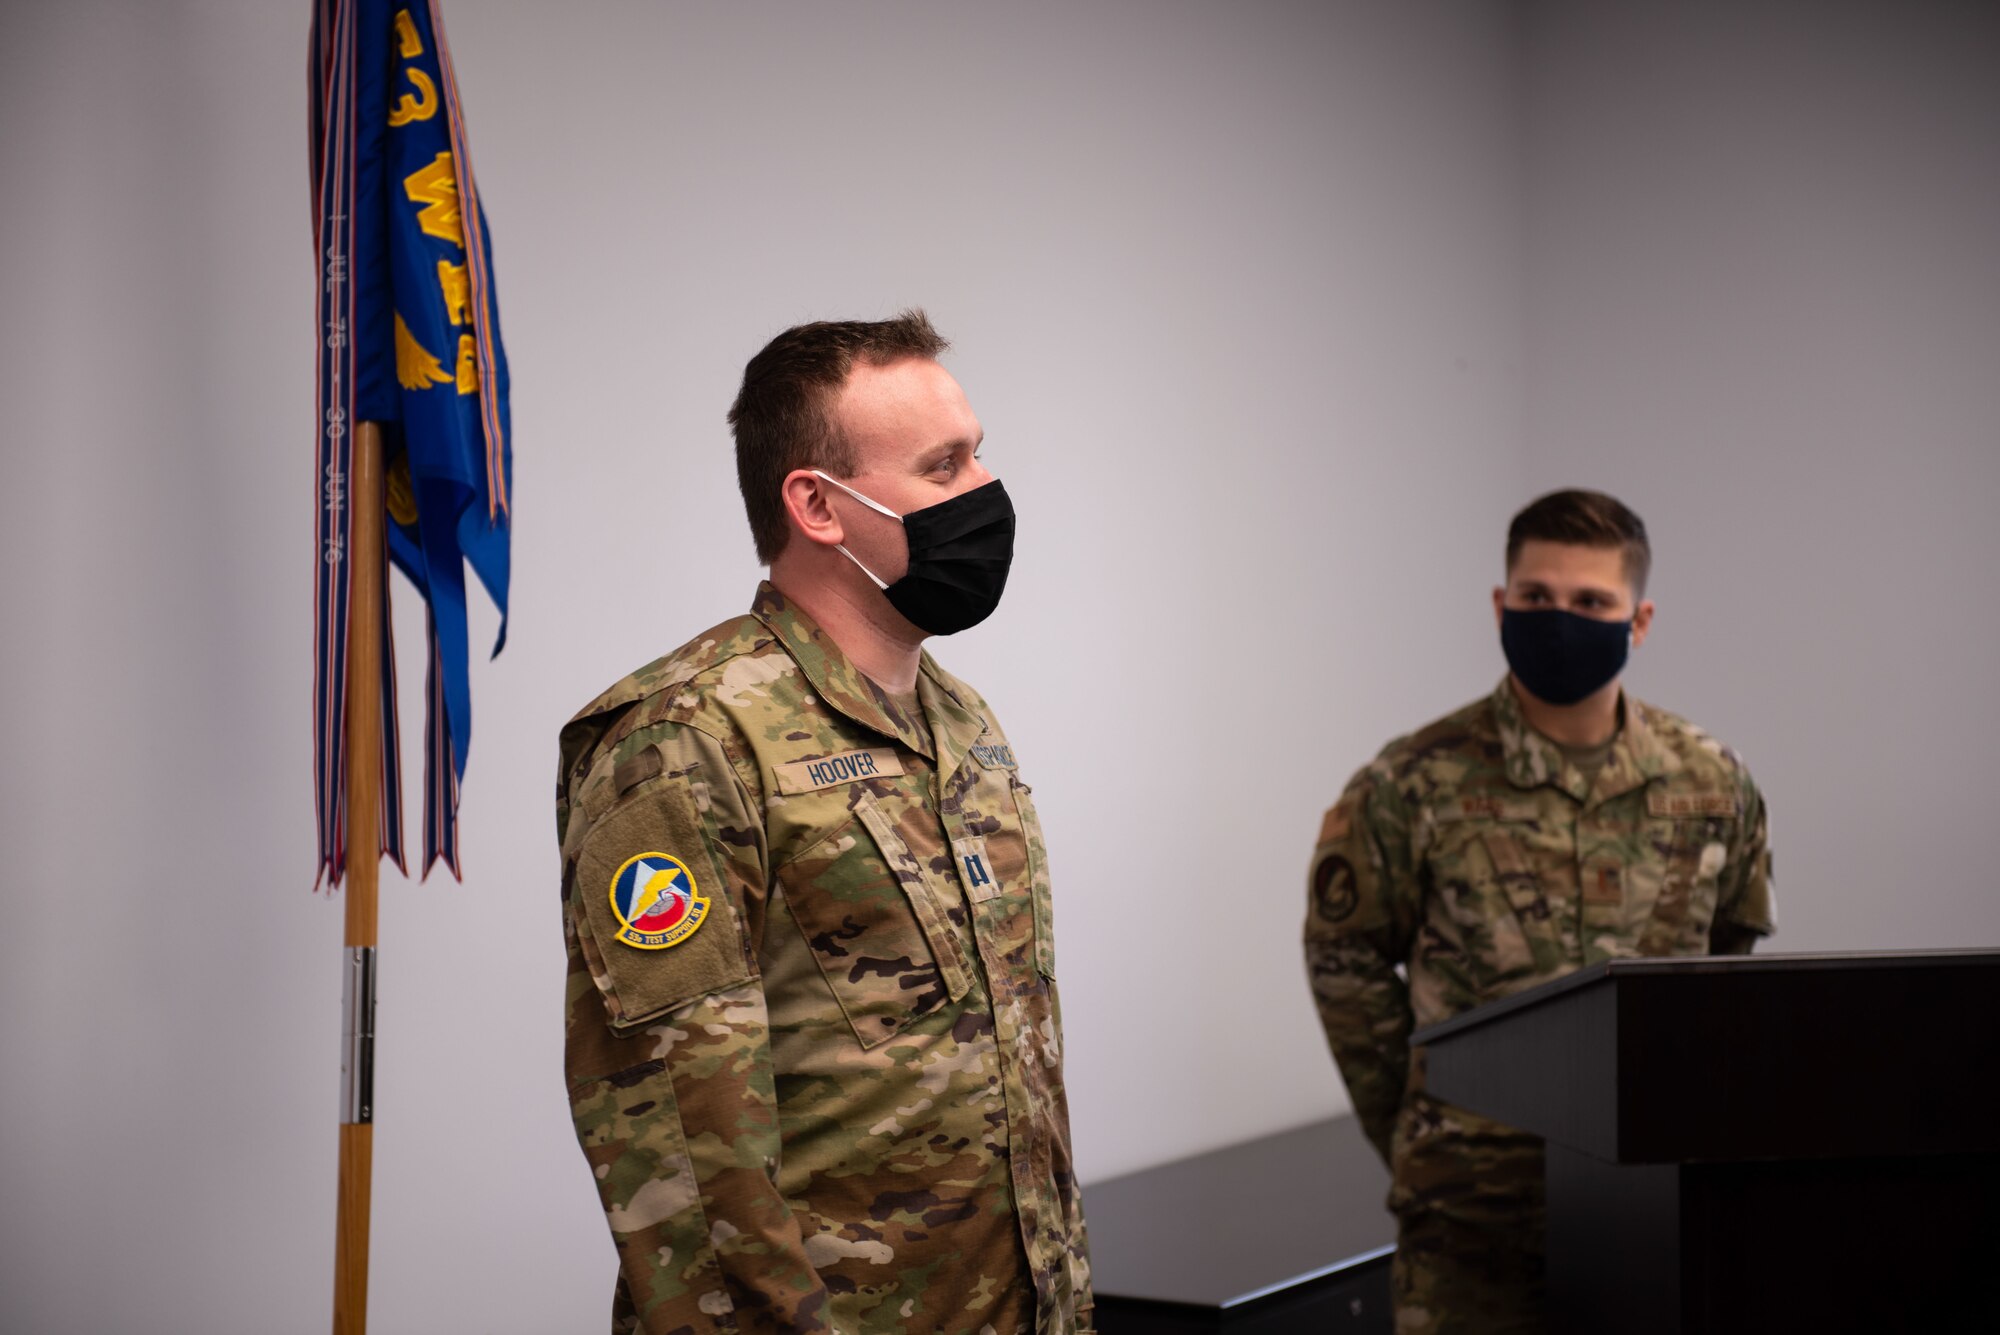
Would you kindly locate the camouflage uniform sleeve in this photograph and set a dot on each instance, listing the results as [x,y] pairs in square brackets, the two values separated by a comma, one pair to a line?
[667,1051]
[1360,917]
[1745,909]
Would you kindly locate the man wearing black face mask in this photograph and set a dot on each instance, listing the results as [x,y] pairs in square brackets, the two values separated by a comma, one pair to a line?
[814,1053]
[1554,824]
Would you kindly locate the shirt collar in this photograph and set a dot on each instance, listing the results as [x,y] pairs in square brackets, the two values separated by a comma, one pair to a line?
[954,726]
[1637,755]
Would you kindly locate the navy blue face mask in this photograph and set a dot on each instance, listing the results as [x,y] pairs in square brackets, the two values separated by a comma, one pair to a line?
[1560,657]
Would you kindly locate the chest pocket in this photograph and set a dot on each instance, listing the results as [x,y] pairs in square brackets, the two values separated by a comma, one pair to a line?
[1692,834]
[1493,907]
[873,919]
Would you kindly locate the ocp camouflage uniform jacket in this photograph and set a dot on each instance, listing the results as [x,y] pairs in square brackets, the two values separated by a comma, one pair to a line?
[836,1104]
[1475,856]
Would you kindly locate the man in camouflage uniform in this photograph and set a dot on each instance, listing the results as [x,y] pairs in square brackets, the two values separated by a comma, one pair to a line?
[814,1047]
[1556,823]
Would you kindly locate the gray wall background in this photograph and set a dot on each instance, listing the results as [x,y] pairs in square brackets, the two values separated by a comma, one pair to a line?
[1763,304]
[1273,312]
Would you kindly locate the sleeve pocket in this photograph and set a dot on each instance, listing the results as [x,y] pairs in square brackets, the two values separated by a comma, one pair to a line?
[1038,866]
[660,926]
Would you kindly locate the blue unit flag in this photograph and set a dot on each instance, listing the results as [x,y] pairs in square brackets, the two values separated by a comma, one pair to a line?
[409,336]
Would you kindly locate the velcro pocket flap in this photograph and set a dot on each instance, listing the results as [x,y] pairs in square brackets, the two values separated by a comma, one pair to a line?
[903,864]
[653,898]
[870,919]
[1517,879]
[1038,866]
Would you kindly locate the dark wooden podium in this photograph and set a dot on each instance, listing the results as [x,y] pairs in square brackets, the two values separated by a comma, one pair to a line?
[1758,1143]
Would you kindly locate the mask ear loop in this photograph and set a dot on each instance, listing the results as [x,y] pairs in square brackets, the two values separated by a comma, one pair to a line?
[876,506]
[842,549]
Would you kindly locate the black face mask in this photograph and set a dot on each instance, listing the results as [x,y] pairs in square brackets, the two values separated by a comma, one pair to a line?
[960,551]
[1560,657]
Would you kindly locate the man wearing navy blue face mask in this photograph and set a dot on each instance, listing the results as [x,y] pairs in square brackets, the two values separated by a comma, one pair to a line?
[1555,823]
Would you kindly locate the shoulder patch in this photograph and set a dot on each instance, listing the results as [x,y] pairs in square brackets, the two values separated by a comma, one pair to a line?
[1334,892]
[657,902]
[805,776]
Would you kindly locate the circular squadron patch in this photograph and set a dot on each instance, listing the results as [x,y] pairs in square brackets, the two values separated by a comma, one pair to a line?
[657,902]
[1333,887]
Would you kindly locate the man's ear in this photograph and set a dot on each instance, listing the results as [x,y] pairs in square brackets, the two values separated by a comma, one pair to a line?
[1642,621]
[805,497]
[1499,604]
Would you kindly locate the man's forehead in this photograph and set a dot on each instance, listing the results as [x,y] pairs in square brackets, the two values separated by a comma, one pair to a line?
[904,408]
[1541,561]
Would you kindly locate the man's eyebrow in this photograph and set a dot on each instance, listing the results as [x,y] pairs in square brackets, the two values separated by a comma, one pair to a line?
[936,455]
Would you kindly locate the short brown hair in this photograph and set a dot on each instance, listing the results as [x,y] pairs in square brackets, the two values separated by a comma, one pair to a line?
[781,419]
[1585,519]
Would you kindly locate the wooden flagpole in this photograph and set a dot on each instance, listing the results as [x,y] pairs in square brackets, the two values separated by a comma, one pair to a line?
[364,849]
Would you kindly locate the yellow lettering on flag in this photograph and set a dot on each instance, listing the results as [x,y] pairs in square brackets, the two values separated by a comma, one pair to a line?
[418,106]
[456,283]
[436,188]
[415,367]
[468,364]
[408,44]
[423,104]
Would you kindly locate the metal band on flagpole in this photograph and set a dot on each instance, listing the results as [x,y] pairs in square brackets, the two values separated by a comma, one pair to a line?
[357,1037]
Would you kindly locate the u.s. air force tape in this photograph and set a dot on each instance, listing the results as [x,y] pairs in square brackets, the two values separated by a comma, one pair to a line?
[994,757]
[657,901]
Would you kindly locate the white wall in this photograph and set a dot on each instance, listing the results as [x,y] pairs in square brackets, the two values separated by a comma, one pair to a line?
[1764,307]
[1273,312]
[1236,291]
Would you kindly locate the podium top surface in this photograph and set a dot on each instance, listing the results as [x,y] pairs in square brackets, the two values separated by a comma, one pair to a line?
[1613,970]
[1233,1225]
[1739,1057]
